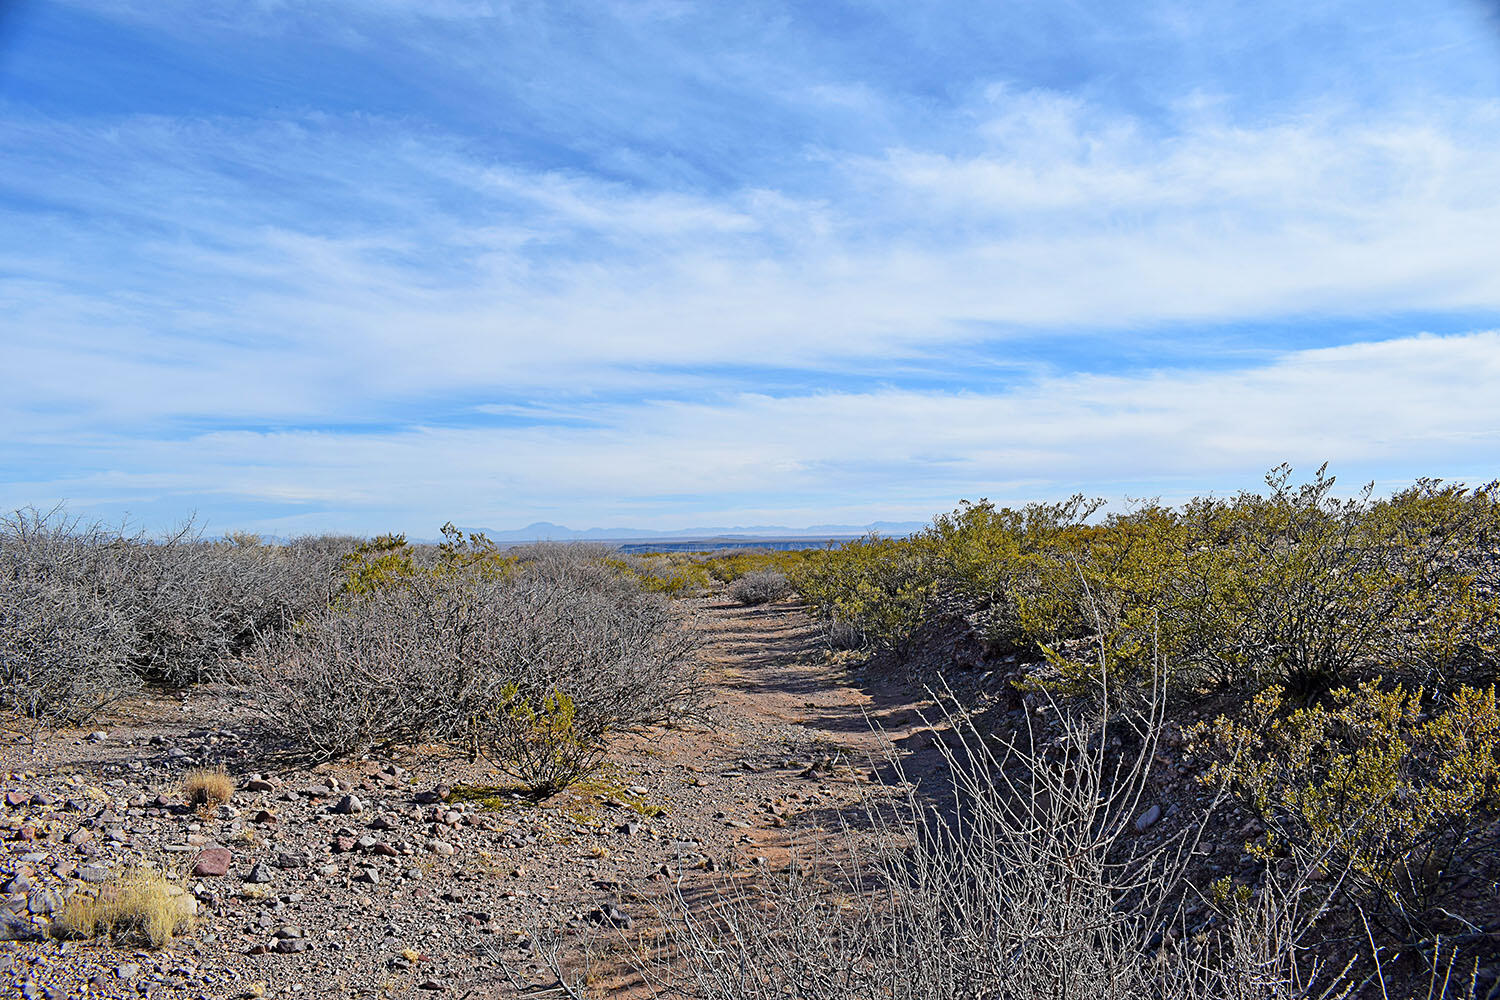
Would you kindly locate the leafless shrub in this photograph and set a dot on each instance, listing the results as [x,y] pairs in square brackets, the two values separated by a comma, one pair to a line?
[1029,882]
[86,613]
[760,587]
[472,661]
[199,605]
[65,644]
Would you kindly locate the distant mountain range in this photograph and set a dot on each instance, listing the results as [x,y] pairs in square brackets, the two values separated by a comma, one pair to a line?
[544,531]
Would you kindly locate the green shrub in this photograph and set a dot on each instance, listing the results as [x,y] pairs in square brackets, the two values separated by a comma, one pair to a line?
[542,742]
[675,574]
[1373,784]
[880,589]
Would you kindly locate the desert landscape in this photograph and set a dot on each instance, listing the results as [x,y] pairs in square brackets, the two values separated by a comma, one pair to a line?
[1244,747]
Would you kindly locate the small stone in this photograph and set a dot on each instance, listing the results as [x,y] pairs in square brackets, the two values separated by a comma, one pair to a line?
[15,928]
[343,845]
[16,799]
[98,736]
[290,931]
[258,785]
[127,970]
[259,875]
[442,847]
[290,946]
[46,902]
[613,916]
[1147,819]
[94,873]
[79,837]
[213,862]
[349,805]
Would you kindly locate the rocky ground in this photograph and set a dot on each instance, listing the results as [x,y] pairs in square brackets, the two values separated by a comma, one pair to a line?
[417,875]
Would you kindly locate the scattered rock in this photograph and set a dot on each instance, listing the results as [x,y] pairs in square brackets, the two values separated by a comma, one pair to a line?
[259,875]
[213,862]
[47,902]
[14,928]
[611,915]
[94,873]
[349,805]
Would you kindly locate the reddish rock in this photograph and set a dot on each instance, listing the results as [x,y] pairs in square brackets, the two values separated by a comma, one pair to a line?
[343,845]
[26,833]
[14,799]
[213,862]
[385,850]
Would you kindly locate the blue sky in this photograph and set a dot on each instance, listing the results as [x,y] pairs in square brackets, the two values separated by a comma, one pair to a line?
[340,265]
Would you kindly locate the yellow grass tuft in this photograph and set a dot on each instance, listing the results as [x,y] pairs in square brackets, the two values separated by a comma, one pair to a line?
[207,787]
[140,905]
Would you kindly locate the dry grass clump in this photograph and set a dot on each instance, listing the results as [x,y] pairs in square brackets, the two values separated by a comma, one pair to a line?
[139,906]
[207,787]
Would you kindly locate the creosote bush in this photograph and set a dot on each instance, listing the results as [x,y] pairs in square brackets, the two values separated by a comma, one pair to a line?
[1374,784]
[1293,587]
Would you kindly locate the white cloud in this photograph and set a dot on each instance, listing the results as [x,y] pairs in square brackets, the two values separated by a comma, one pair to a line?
[1408,407]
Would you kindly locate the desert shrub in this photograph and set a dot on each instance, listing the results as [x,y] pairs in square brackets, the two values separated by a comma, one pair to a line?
[86,613]
[676,574]
[566,664]
[138,907]
[65,643]
[380,667]
[473,660]
[1373,784]
[879,589]
[759,587]
[1022,879]
[206,787]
